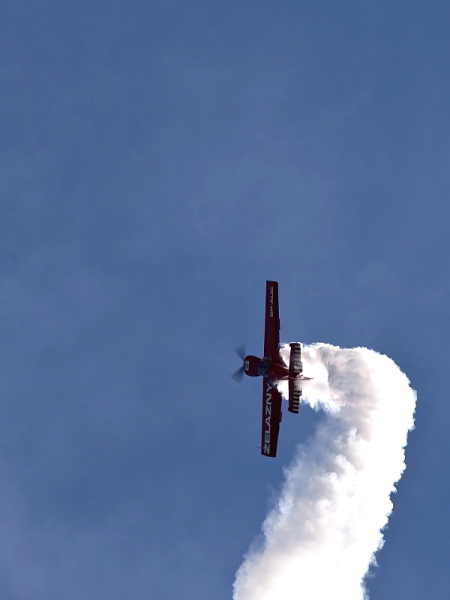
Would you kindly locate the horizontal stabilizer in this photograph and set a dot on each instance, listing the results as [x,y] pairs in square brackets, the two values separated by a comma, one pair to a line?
[295,360]
[295,370]
[295,392]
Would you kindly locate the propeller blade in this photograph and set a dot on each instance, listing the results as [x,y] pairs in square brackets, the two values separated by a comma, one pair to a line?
[240,351]
[238,375]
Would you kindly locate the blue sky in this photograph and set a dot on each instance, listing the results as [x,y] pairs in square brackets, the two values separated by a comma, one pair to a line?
[160,161]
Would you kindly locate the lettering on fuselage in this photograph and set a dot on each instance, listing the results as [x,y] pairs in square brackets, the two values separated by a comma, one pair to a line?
[267,419]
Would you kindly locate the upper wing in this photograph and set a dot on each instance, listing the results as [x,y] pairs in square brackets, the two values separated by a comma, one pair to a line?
[271,417]
[272,321]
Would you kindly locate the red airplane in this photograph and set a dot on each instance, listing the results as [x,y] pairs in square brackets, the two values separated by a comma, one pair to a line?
[273,369]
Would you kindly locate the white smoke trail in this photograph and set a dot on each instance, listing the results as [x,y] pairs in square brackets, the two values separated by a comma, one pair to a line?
[320,539]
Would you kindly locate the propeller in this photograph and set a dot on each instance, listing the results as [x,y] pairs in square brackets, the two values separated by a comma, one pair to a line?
[239,374]
[240,351]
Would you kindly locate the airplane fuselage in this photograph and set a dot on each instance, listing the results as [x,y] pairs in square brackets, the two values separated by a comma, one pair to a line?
[265,367]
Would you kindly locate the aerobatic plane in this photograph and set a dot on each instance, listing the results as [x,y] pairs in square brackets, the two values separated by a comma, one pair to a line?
[272,368]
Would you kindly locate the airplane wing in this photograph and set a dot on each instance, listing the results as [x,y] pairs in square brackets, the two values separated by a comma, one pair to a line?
[271,418]
[272,322]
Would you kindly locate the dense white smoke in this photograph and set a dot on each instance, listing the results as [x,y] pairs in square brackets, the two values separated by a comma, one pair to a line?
[320,538]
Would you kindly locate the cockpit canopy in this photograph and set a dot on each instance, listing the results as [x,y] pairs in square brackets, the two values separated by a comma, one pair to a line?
[263,368]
